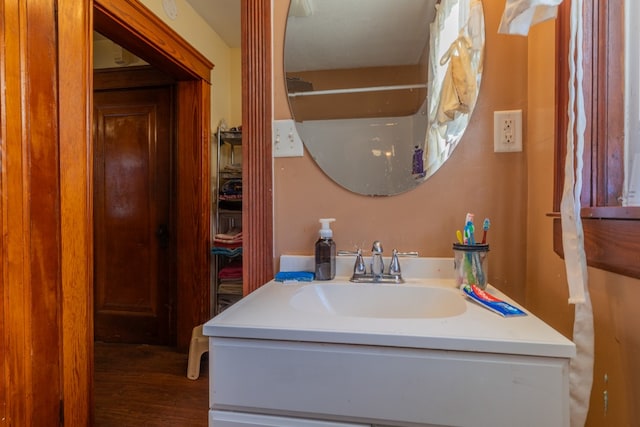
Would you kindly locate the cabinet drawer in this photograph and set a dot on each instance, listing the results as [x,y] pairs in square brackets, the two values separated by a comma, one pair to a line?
[239,419]
[388,385]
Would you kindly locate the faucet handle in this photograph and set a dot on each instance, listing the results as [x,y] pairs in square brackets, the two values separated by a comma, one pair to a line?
[412,254]
[359,266]
[394,267]
[342,252]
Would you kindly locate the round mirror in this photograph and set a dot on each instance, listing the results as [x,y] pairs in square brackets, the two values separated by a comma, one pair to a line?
[382,90]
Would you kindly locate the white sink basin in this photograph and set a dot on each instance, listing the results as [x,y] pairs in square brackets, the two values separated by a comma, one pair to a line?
[379,301]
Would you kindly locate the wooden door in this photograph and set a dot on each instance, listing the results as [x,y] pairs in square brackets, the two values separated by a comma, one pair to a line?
[134,280]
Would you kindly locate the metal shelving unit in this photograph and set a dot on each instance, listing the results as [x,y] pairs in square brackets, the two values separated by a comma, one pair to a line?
[227,278]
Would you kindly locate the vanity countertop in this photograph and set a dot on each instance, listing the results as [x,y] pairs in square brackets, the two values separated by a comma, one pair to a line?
[267,314]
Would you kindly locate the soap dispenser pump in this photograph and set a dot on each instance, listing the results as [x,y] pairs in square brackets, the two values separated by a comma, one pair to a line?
[326,252]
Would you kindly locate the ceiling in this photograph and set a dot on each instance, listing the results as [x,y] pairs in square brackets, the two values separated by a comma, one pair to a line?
[223,16]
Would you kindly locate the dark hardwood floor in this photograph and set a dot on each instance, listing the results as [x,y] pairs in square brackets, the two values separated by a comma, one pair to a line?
[145,385]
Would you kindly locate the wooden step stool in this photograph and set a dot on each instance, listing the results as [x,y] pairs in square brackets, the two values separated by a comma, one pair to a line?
[198,346]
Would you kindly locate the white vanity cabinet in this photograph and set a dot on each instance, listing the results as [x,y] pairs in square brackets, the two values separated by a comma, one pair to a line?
[386,385]
[277,362]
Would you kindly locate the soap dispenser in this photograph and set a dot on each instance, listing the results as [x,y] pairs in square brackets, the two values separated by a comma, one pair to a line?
[326,252]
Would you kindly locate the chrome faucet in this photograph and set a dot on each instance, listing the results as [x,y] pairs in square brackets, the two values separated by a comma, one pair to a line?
[377,264]
[376,273]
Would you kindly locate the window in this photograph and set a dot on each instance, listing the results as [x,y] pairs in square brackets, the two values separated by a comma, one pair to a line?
[612,231]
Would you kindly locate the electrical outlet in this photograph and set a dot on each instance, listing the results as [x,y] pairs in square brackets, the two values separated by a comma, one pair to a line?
[507,131]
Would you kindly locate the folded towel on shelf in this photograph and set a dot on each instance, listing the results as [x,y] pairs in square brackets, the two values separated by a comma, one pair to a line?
[230,252]
[229,274]
[223,245]
[231,271]
[227,243]
[234,168]
[231,237]
[229,289]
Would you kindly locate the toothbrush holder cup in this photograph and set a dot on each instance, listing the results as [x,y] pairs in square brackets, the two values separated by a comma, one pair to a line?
[470,264]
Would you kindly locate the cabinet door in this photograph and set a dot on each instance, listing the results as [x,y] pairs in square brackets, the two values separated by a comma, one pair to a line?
[239,419]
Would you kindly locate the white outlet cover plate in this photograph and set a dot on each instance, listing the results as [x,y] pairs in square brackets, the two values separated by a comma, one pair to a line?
[516,145]
[286,141]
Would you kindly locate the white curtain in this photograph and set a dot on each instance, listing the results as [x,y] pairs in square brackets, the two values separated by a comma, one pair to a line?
[518,17]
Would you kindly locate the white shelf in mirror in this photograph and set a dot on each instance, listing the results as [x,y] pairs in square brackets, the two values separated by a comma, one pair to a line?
[357,90]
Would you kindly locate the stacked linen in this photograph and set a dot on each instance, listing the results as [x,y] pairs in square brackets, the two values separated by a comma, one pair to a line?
[229,287]
[230,278]
[233,236]
[235,168]
[232,271]
[228,244]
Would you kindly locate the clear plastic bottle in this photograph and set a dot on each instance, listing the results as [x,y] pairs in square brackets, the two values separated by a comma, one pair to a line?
[325,252]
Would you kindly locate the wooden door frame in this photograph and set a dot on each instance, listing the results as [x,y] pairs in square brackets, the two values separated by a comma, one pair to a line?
[130,24]
[134,27]
[30,236]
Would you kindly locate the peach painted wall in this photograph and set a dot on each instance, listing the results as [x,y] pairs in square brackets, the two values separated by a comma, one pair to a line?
[614,298]
[424,219]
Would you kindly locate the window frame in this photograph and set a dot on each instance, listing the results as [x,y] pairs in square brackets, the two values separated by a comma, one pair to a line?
[611,231]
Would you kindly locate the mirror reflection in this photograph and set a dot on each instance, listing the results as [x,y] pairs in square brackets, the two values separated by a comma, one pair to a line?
[381,91]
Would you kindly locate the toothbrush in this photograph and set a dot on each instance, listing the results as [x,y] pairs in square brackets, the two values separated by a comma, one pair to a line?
[468,229]
[459,236]
[485,227]
[471,264]
[468,218]
[471,231]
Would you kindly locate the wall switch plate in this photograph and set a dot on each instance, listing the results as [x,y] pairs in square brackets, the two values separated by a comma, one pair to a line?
[507,131]
[286,141]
